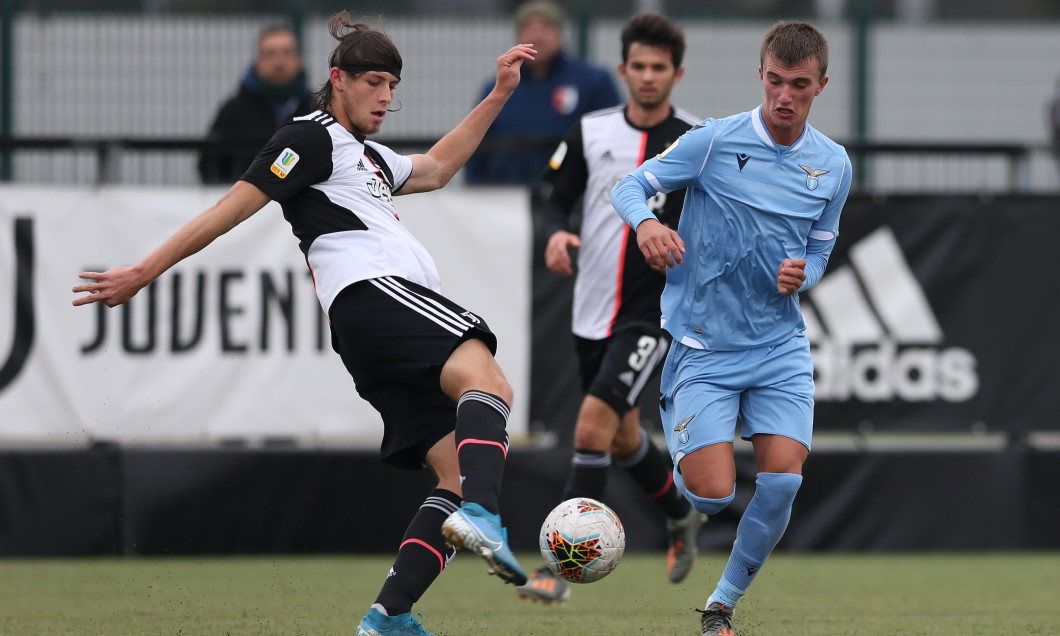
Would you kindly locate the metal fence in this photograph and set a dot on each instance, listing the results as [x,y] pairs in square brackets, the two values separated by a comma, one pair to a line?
[892,168]
[924,107]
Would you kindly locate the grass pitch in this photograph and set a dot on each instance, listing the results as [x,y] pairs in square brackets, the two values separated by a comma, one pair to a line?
[870,594]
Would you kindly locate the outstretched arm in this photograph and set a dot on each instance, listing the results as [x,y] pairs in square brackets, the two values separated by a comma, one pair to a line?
[118,285]
[434,169]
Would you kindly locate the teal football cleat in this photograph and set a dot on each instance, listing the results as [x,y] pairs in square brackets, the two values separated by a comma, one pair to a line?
[474,528]
[376,623]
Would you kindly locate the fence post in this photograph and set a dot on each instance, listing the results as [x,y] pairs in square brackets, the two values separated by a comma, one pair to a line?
[7,82]
[582,22]
[296,15]
[862,27]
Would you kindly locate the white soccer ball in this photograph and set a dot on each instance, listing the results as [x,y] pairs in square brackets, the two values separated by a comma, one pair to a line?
[582,540]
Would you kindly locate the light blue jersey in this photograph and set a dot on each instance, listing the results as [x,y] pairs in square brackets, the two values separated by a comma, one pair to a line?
[750,204]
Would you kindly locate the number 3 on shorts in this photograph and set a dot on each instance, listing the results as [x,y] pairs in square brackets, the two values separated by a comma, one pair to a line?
[645,347]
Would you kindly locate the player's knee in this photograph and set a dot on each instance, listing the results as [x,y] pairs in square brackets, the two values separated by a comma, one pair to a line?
[503,390]
[626,441]
[494,384]
[702,500]
[591,436]
[596,426]
[777,490]
[472,368]
[707,505]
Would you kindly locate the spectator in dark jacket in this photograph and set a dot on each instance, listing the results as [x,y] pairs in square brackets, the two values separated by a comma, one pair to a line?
[272,91]
[555,91]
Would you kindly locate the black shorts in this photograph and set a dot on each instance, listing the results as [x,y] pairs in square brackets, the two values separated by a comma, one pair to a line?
[616,369]
[394,336]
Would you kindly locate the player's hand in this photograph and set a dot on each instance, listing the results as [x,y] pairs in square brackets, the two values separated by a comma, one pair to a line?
[661,246]
[790,275]
[112,287]
[557,252]
[510,64]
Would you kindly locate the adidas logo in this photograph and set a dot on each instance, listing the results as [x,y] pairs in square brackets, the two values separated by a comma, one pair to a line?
[874,336]
[626,378]
[360,165]
[607,156]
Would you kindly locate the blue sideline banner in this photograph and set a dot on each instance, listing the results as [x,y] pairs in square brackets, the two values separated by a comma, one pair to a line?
[938,314]
[230,344]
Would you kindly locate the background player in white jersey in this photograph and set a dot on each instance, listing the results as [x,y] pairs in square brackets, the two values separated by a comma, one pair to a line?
[764,191]
[422,361]
[616,294]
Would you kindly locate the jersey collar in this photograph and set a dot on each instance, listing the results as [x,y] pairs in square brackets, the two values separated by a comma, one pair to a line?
[763,132]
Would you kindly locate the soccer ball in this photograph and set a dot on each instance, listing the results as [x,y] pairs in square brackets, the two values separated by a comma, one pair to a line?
[582,540]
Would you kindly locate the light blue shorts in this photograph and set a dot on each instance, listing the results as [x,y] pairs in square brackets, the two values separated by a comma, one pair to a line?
[703,392]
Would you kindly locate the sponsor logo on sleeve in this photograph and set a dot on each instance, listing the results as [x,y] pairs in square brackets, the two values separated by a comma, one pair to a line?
[668,149]
[557,157]
[284,163]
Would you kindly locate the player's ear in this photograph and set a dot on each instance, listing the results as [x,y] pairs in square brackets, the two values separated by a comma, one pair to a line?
[820,87]
[622,71]
[678,74]
[335,77]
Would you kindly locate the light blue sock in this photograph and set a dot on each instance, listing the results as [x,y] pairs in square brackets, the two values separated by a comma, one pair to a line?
[762,525]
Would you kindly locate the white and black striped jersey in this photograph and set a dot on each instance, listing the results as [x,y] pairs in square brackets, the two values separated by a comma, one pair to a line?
[615,286]
[336,190]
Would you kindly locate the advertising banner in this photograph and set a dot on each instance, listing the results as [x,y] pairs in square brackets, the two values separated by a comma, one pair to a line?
[231,343]
[936,314]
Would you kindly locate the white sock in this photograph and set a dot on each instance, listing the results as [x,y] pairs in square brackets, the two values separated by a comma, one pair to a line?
[379,608]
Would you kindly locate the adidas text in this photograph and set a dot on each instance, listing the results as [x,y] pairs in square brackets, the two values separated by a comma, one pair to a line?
[881,372]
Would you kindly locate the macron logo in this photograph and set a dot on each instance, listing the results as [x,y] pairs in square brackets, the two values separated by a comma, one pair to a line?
[875,337]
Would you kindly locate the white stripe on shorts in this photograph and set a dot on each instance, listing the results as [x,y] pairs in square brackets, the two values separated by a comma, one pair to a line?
[428,303]
[426,307]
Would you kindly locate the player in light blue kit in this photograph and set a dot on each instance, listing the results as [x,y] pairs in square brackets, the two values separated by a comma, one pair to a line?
[761,214]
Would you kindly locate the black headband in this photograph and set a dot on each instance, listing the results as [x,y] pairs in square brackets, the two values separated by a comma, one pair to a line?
[362,68]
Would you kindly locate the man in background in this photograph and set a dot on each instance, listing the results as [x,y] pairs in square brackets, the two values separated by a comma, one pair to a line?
[555,91]
[272,91]
[619,343]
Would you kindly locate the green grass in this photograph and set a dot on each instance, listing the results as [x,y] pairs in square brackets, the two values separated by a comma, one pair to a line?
[960,593]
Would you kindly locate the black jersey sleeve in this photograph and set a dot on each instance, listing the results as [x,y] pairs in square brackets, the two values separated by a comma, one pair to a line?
[297,156]
[567,174]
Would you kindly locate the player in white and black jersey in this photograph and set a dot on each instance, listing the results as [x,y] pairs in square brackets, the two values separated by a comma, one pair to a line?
[425,363]
[618,338]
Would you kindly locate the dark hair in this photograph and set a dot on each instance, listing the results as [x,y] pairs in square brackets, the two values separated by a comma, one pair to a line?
[359,45]
[653,29]
[792,42]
